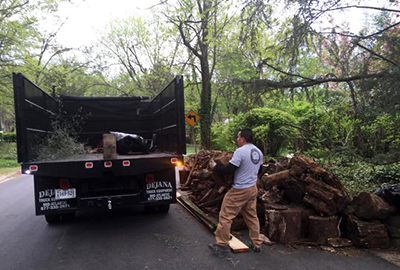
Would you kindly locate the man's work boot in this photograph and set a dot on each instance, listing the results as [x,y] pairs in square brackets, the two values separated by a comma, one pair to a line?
[220,251]
[255,249]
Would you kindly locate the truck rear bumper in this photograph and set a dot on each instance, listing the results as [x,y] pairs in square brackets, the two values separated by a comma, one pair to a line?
[109,202]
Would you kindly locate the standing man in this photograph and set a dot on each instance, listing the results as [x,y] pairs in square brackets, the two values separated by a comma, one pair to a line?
[245,164]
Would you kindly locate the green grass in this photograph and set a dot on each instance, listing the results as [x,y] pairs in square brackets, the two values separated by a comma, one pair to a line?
[8,158]
[5,171]
[7,163]
[8,151]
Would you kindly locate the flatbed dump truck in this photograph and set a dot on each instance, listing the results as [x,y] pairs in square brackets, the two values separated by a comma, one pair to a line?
[66,185]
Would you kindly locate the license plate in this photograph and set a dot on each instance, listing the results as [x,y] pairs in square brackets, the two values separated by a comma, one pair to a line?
[63,194]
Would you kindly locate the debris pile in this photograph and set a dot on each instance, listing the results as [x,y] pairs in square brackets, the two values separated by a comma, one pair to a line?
[207,188]
[298,202]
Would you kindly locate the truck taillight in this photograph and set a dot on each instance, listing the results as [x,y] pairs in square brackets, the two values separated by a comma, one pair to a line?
[64,183]
[33,168]
[149,178]
[176,162]
[126,163]
[89,165]
[108,164]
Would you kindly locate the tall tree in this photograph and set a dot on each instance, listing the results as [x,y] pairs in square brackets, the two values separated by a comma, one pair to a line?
[139,46]
[201,24]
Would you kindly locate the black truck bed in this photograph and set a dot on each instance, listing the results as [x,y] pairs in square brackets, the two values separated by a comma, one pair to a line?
[99,157]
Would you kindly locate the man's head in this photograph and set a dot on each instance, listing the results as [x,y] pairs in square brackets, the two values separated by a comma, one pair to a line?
[244,136]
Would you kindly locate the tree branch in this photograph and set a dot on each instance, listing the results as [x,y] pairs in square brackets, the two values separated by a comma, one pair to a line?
[376,54]
[307,83]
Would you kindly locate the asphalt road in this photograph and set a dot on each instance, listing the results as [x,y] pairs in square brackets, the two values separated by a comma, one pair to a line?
[131,239]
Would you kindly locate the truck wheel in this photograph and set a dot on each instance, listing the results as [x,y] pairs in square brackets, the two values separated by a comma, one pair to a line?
[52,219]
[68,216]
[163,208]
[149,209]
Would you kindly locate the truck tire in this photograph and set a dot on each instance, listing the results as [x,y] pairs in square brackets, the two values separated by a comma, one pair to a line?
[68,216]
[149,209]
[52,219]
[163,208]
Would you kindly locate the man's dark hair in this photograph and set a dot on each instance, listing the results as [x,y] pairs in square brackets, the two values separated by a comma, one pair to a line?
[247,134]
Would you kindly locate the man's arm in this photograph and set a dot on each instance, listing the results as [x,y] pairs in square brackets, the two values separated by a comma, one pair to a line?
[226,169]
[260,171]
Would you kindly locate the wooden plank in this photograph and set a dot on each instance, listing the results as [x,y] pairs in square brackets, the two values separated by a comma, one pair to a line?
[198,211]
[205,223]
[235,244]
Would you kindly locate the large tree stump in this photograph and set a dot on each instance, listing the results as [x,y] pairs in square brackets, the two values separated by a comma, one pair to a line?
[365,234]
[284,226]
[322,228]
[370,206]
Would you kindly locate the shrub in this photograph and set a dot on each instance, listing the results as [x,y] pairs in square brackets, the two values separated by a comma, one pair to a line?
[8,151]
[273,129]
[222,138]
[10,137]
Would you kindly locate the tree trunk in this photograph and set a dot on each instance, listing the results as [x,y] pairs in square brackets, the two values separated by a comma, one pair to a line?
[205,103]
[356,111]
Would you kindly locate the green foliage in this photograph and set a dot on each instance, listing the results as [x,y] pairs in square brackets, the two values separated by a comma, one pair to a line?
[63,142]
[321,126]
[8,151]
[361,176]
[272,128]
[7,163]
[222,138]
[354,172]
[10,137]
[383,134]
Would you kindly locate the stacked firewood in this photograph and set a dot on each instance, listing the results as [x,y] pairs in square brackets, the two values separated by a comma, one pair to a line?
[302,200]
[206,187]
[298,201]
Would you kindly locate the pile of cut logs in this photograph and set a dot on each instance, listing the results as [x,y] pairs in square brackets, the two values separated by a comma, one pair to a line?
[207,188]
[298,202]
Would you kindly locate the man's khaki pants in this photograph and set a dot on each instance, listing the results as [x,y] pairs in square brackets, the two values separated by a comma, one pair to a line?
[235,201]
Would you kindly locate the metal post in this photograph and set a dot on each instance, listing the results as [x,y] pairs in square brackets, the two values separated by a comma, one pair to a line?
[194,139]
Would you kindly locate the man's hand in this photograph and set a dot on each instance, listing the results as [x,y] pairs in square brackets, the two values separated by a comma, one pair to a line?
[212,164]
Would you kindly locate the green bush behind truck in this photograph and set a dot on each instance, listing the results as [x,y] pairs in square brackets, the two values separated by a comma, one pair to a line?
[64,185]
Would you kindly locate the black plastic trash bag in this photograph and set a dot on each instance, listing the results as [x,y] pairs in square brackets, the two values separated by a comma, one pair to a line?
[127,143]
[391,193]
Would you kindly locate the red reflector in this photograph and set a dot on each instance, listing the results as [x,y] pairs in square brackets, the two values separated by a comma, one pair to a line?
[33,168]
[174,160]
[149,178]
[89,165]
[108,164]
[126,163]
[64,183]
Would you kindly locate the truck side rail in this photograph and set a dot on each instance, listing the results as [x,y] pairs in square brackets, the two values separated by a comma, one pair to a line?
[168,119]
[34,109]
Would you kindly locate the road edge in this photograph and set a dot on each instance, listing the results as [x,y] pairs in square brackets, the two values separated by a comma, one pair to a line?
[9,176]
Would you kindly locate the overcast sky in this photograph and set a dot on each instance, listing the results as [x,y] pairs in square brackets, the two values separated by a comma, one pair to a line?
[87,18]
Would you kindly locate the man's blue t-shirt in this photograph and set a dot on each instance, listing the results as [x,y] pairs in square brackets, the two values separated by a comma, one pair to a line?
[248,158]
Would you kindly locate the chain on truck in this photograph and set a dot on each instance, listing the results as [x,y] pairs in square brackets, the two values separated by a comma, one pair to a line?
[65,185]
